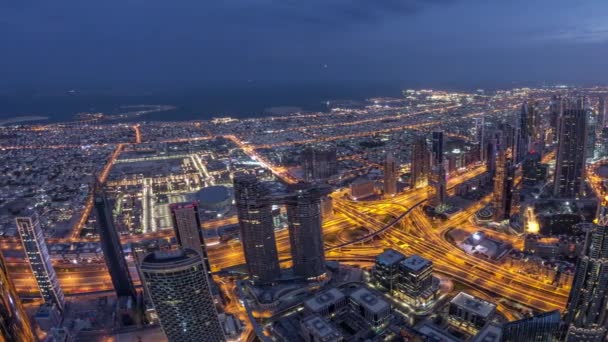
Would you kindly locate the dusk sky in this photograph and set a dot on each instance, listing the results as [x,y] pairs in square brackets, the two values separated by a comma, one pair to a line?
[163,43]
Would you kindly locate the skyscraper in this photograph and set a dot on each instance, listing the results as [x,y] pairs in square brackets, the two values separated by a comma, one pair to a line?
[14,322]
[421,163]
[570,158]
[390,175]
[524,130]
[601,114]
[254,210]
[586,316]
[319,162]
[554,113]
[111,246]
[438,194]
[187,227]
[539,328]
[34,245]
[305,230]
[479,137]
[503,186]
[179,288]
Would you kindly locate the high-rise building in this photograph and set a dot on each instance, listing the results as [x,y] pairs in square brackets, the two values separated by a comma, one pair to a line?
[592,125]
[305,230]
[503,187]
[539,328]
[479,137]
[187,227]
[571,147]
[524,130]
[555,108]
[319,162]
[386,269]
[421,163]
[37,253]
[601,113]
[111,246]
[254,210]
[416,275]
[179,288]
[390,175]
[14,322]
[586,315]
[438,189]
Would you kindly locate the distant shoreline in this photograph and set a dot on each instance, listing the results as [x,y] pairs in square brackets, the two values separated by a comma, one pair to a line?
[18,119]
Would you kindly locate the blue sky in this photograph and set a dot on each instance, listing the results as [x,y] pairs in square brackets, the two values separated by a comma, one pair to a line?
[165,43]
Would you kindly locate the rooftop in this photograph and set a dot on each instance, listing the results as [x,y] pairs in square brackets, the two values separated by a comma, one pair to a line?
[473,304]
[318,326]
[389,257]
[490,333]
[369,300]
[416,263]
[324,299]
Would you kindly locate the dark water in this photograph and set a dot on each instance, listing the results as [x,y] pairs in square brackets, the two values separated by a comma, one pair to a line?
[245,100]
[195,102]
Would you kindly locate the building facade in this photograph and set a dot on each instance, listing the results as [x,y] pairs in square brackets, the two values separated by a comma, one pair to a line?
[586,315]
[571,150]
[14,322]
[112,248]
[179,288]
[305,230]
[37,253]
[187,228]
[503,187]
[319,162]
[254,210]
[438,191]
[420,166]
[390,175]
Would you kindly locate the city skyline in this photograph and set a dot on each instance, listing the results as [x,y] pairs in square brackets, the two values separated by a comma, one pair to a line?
[319,171]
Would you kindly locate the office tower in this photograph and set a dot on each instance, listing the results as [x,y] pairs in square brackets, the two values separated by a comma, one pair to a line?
[470,310]
[438,177]
[319,162]
[14,322]
[524,130]
[390,175]
[586,315]
[603,143]
[507,138]
[37,253]
[420,163]
[533,171]
[592,125]
[305,230]
[386,269]
[601,114]
[538,328]
[416,276]
[503,187]
[555,108]
[179,288]
[254,211]
[111,247]
[187,227]
[479,137]
[570,157]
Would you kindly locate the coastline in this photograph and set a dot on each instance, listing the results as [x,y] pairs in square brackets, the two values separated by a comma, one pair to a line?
[18,119]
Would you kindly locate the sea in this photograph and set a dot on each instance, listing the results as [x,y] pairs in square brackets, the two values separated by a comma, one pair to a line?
[239,100]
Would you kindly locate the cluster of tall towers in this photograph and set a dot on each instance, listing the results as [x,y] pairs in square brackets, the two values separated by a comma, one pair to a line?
[254,208]
[428,168]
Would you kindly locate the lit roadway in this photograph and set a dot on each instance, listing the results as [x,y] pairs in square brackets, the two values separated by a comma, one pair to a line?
[424,236]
